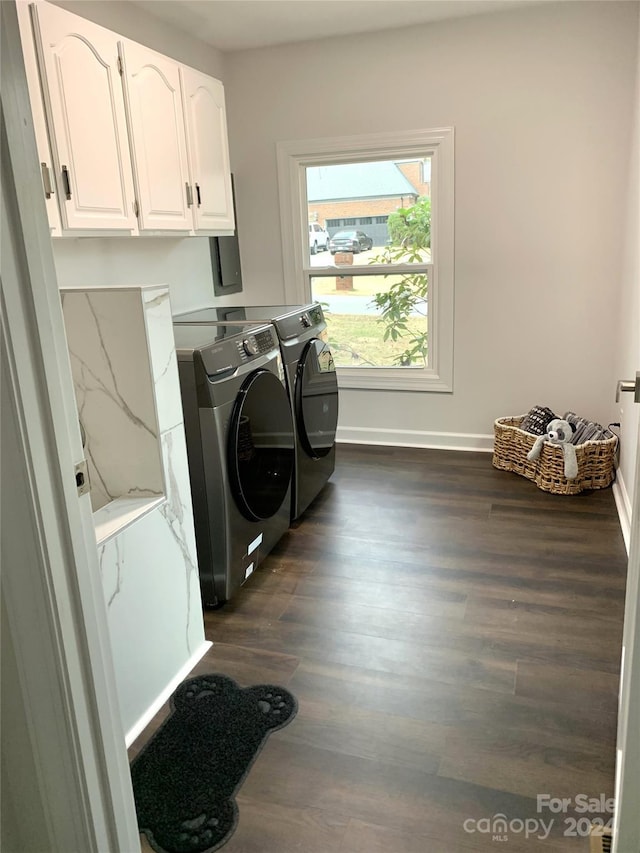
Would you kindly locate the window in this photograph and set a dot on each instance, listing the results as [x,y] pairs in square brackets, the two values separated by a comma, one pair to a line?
[386,286]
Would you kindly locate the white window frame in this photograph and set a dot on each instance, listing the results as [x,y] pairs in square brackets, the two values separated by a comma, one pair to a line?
[294,157]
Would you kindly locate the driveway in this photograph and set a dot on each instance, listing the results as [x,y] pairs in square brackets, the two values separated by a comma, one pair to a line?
[347,303]
[326,259]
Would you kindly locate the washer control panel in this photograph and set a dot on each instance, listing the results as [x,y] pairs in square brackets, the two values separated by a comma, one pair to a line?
[256,344]
[223,347]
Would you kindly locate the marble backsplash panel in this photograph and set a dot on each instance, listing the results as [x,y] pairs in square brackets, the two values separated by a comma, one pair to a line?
[114,385]
[164,365]
[123,356]
[152,589]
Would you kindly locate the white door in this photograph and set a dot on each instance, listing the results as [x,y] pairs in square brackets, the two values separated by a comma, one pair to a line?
[158,144]
[208,151]
[85,110]
[626,832]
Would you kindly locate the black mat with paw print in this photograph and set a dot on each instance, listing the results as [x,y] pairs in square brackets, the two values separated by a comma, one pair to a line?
[185,778]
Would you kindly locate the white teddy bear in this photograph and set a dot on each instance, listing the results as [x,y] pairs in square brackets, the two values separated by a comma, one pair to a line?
[558,432]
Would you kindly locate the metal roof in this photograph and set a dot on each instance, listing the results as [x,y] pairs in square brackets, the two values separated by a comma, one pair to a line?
[357,181]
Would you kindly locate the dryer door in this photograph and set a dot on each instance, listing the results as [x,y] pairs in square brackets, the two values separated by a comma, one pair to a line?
[316,399]
[260,446]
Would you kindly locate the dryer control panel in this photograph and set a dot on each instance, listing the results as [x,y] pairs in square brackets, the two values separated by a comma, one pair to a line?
[310,319]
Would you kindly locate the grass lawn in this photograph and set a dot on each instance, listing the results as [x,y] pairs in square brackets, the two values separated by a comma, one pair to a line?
[356,340]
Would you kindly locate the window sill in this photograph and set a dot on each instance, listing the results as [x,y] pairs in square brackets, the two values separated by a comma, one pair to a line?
[393,379]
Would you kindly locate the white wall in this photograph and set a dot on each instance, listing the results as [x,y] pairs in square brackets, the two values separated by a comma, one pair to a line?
[627,351]
[541,102]
[134,23]
[183,264]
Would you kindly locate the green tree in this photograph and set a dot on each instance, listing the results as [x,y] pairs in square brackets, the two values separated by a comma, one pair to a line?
[410,227]
[404,305]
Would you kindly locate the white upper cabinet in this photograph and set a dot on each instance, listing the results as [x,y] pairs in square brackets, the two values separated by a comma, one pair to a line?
[133,142]
[208,151]
[87,126]
[157,134]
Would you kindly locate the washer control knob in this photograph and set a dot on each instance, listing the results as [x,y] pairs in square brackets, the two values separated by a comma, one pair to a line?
[251,346]
[306,322]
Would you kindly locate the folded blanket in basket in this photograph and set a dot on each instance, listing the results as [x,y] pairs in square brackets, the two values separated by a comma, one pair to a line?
[586,430]
[537,420]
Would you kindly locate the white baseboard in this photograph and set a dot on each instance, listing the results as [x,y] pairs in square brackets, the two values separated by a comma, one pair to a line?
[153,709]
[416,438]
[623,505]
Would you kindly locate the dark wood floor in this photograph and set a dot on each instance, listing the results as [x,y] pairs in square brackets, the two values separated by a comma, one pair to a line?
[453,637]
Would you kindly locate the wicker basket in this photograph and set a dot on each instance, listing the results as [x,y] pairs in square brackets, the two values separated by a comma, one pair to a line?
[595,460]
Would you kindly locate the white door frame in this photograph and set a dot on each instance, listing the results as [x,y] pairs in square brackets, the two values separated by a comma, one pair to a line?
[626,827]
[55,604]
[51,583]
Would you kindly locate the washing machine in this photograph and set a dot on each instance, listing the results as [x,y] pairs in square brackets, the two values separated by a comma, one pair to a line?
[311,382]
[240,447]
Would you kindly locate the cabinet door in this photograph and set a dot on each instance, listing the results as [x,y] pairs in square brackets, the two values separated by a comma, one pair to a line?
[39,123]
[208,151]
[158,145]
[85,111]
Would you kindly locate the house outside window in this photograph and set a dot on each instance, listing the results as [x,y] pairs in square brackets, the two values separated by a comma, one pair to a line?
[386,279]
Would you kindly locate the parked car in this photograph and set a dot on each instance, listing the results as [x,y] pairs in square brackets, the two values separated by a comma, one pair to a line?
[350,241]
[318,238]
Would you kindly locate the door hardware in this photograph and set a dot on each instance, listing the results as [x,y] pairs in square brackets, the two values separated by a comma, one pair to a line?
[189,195]
[629,385]
[82,478]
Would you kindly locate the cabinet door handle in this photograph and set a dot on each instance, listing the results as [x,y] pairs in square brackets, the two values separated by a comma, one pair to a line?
[198,195]
[46,180]
[66,181]
[189,195]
